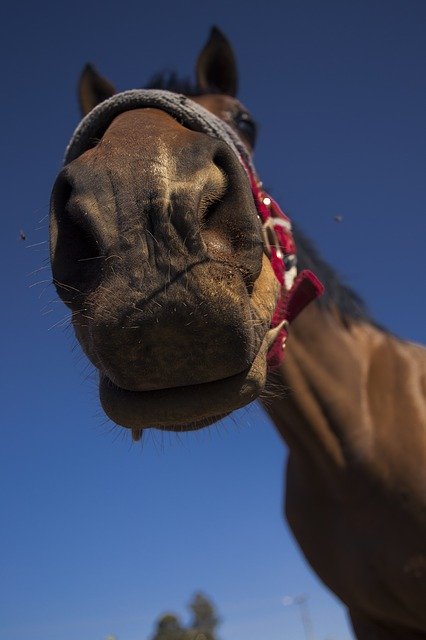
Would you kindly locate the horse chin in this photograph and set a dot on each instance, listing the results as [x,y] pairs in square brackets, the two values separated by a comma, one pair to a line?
[186,408]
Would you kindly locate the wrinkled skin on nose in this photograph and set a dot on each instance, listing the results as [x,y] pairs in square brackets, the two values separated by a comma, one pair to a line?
[156,248]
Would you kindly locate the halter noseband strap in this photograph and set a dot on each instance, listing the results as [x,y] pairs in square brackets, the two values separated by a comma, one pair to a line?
[297,291]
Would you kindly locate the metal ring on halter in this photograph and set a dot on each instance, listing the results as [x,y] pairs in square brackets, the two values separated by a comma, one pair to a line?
[270,237]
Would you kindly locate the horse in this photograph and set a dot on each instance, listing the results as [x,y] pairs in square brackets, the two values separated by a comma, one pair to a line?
[160,250]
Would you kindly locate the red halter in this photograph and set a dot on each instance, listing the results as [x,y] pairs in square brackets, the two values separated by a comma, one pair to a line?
[297,290]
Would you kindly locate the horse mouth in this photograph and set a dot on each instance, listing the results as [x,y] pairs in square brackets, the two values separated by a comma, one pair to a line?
[186,408]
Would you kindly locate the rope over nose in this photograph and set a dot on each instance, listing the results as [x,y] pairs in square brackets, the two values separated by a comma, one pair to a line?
[296,290]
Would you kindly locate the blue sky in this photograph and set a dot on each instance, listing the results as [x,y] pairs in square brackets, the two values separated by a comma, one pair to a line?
[99,536]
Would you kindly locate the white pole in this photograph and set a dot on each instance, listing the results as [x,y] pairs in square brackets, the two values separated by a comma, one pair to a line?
[305,616]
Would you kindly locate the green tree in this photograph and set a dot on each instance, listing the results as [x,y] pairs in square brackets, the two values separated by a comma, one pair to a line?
[204,618]
[169,628]
[202,626]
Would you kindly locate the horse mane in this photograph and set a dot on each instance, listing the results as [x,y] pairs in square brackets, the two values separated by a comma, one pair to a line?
[349,304]
[171,81]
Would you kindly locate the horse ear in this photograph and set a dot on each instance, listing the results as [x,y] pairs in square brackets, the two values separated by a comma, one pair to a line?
[216,66]
[92,89]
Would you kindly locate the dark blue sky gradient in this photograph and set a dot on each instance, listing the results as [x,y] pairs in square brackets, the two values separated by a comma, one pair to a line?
[99,536]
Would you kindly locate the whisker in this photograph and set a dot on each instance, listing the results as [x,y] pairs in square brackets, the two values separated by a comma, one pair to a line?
[32,273]
[62,322]
[66,286]
[44,290]
[93,258]
[34,284]
[36,244]
[53,301]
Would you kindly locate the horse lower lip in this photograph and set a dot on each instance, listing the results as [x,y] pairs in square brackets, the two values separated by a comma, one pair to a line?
[198,403]
[180,408]
[183,407]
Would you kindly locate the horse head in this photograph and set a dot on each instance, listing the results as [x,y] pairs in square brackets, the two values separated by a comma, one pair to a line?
[158,249]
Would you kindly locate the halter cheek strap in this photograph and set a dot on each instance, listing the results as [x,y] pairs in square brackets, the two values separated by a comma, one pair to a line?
[297,291]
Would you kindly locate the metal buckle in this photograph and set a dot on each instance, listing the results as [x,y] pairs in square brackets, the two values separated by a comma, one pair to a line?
[270,237]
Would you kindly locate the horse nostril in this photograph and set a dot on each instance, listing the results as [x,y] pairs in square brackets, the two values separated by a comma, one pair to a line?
[215,188]
[209,206]
[75,247]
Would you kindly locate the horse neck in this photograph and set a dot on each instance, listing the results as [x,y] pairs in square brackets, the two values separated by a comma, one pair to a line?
[350,397]
[350,402]
[318,398]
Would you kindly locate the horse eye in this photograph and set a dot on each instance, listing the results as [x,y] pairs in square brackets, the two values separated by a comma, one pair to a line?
[246,126]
